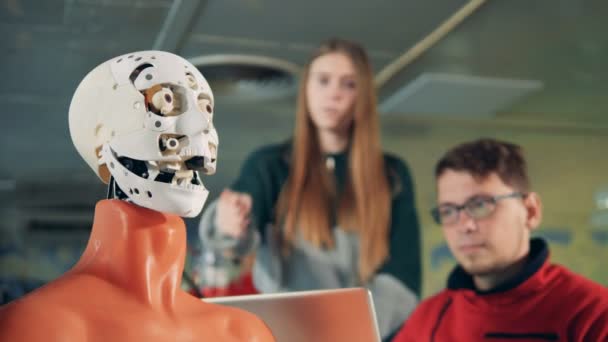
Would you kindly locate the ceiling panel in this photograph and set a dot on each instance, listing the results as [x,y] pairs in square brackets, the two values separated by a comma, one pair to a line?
[560,43]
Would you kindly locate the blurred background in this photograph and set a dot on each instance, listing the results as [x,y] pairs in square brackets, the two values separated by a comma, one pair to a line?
[529,71]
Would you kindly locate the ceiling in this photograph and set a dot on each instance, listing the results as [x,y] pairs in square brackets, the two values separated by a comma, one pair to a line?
[47,47]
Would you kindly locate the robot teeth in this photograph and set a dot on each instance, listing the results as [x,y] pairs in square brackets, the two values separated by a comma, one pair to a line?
[185,152]
[185,183]
[190,152]
[188,186]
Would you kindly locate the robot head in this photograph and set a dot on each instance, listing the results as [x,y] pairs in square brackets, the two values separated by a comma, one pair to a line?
[144,121]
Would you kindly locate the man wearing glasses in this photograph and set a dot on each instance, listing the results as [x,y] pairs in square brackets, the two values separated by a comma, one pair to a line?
[504,287]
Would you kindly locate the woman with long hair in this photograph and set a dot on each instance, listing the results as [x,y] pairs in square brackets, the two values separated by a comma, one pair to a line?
[331,208]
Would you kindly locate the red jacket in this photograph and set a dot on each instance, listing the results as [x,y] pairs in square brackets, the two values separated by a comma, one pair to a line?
[546,302]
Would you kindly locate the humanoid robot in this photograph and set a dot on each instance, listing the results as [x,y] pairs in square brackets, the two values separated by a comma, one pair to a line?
[144,123]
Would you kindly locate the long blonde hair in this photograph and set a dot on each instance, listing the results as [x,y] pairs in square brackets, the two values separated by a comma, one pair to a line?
[309,200]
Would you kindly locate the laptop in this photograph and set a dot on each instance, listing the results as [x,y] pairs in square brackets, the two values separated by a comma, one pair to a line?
[320,316]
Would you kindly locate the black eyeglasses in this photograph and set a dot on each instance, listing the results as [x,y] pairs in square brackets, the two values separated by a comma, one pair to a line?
[477,207]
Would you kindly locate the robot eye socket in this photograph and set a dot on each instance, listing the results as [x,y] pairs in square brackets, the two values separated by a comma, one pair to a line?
[165,100]
[204,103]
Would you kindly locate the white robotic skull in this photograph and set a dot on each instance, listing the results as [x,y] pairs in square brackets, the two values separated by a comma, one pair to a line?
[145,119]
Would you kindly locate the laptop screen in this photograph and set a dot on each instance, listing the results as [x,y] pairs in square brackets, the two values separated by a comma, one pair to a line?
[324,315]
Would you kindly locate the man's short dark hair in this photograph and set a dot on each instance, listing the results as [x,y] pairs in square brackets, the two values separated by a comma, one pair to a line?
[482,157]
